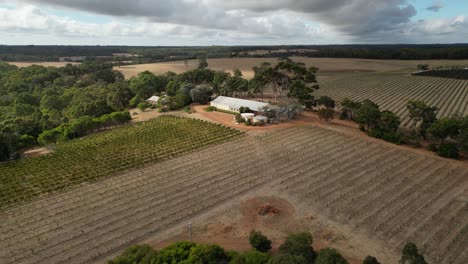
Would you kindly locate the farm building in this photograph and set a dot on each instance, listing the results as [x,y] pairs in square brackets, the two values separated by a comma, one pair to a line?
[234,104]
[153,99]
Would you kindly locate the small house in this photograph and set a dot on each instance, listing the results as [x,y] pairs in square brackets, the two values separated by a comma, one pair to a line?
[153,100]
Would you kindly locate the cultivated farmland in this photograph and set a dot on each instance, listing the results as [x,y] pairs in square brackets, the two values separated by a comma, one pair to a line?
[391,194]
[246,65]
[104,154]
[392,91]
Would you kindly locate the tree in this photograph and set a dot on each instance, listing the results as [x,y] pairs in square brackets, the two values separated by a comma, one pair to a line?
[299,245]
[147,84]
[251,257]
[326,114]
[326,101]
[202,63]
[329,256]
[370,260]
[462,138]
[410,255]
[368,114]
[420,112]
[207,254]
[389,122]
[201,94]
[446,127]
[287,259]
[259,241]
[349,108]
[139,254]
[287,78]
[175,253]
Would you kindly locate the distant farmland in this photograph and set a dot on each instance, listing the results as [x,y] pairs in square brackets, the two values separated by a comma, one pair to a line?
[392,91]
[246,65]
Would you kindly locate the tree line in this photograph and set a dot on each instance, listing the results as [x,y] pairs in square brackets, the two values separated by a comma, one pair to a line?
[159,54]
[447,136]
[296,249]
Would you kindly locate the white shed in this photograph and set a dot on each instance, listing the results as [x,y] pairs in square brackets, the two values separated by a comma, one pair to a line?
[234,104]
[153,99]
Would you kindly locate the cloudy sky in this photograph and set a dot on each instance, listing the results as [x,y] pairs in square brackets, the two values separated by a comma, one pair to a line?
[231,22]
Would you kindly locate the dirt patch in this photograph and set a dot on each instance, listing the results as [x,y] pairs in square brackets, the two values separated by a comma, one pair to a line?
[139,116]
[252,217]
[36,152]
[230,228]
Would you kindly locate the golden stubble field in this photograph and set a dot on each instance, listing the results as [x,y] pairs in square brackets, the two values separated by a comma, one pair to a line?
[246,65]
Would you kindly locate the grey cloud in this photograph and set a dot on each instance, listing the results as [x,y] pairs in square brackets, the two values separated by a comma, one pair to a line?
[357,18]
[435,7]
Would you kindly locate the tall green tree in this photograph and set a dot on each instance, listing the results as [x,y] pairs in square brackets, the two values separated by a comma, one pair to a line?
[368,115]
[420,112]
[299,245]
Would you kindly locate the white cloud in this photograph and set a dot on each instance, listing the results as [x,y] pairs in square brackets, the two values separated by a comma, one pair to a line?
[229,22]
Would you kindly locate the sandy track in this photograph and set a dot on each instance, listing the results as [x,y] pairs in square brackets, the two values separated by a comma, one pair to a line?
[385,192]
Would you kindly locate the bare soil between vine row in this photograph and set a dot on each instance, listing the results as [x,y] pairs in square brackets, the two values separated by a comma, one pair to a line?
[357,195]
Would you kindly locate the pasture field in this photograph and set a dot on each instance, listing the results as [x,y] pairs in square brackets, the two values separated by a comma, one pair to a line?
[246,65]
[380,190]
[392,91]
[105,154]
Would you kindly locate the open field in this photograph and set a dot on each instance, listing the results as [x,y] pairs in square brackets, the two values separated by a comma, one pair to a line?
[246,65]
[105,154]
[375,190]
[45,64]
[392,91]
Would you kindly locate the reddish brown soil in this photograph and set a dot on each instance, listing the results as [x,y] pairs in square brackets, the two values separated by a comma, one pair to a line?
[233,234]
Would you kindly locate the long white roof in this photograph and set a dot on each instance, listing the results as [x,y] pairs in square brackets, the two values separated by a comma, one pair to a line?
[237,103]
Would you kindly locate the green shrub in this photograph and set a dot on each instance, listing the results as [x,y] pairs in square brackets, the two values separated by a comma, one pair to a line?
[211,109]
[329,256]
[239,118]
[256,257]
[143,105]
[288,259]
[207,254]
[299,245]
[259,241]
[326,114]
[175,253]
[139,254]
[370,260]
[448,151]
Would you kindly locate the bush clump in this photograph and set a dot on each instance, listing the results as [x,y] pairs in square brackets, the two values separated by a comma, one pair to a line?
[259,241]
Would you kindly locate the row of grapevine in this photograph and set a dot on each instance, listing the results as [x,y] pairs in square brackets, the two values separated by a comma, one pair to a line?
[393,91]
[393,194]
[105,154]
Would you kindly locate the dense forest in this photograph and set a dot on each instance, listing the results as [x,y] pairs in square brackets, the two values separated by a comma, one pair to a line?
[158,54]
